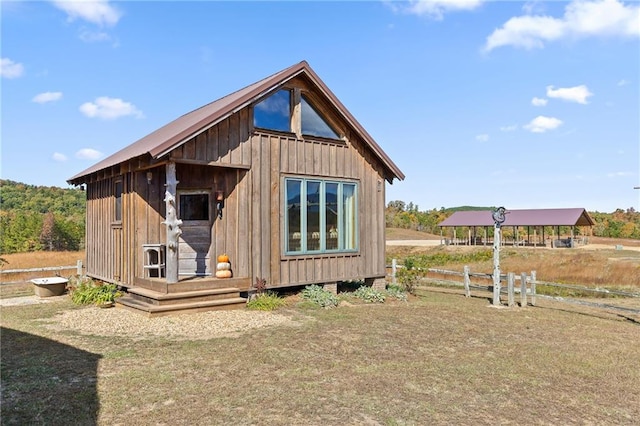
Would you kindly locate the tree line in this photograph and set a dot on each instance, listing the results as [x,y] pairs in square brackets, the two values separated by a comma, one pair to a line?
[398,214]
[34,218]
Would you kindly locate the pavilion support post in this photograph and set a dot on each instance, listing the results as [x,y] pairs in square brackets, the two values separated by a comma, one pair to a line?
[173,224]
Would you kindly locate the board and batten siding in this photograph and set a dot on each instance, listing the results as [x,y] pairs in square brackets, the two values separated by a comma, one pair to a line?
[250,166]
[276,156]
[114,248]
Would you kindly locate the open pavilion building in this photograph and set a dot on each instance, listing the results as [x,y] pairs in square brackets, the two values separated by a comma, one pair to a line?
[536,221]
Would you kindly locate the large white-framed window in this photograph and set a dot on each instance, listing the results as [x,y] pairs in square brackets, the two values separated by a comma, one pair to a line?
[320,215]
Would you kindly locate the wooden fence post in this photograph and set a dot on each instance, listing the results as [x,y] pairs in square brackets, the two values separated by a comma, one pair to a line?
[79,268]
[511,279]
[533,288]
[523,289]
[467,281]
[394,269]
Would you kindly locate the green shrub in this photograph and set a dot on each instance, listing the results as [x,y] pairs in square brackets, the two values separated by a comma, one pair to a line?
[319,296]
[85,291]
[369,294]
[409,279]
[266,301]
[397,292]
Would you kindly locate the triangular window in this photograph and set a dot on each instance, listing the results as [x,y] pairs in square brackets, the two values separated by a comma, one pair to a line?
[274,112]
[312,122]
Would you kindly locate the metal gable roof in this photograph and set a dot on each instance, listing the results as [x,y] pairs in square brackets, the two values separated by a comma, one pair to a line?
[180,130]
[528,217]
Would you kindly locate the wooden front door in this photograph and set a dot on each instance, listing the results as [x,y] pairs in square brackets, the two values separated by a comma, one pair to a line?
[194,209]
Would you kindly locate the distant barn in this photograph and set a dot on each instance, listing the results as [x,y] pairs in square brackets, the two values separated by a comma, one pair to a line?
[278,175]
[534,220]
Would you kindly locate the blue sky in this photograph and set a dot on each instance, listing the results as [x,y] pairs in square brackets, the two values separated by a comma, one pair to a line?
[522,104]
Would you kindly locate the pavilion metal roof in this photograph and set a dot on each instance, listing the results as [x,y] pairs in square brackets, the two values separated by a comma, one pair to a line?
[172,135]
[526,217]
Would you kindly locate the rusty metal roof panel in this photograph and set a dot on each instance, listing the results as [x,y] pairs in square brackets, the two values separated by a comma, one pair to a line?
[525,217]
[180,130]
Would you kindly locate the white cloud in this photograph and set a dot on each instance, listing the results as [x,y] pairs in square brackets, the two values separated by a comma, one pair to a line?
[622,82]
[541,124]
[577,94]
[599,18]
[88,154]
[510,128]
[98,12]
[538,101]
[109,108]
[436,9]
[482,138]
[45,97]
[89,36]
[61,158]
[619,174]
[10,69]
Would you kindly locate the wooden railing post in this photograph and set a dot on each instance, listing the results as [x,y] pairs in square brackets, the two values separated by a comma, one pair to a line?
[511,279]
[79,268]
[523,289]
[467,281]
[533,288]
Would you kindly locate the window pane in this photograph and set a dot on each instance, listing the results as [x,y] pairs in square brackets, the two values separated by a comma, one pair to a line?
[274,112]
[349,216]
[313,123]
[331,216]
[313,216]
[194,206]
[118,195]
[294,235]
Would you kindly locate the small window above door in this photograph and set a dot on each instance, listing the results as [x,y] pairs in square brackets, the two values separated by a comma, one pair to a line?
[194,206]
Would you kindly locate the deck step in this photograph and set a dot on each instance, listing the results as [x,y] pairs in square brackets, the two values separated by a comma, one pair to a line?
[154,310]
[158,298]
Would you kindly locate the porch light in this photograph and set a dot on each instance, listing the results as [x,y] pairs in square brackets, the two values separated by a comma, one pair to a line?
[219,202]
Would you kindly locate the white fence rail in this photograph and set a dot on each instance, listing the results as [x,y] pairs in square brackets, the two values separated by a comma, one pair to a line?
[528,287]
[78,268]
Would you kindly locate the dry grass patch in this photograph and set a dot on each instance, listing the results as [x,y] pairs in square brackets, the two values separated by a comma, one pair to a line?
[440,359]
[610,268]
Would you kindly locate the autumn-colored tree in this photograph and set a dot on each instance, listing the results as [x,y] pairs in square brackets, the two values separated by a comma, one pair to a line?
[48,233]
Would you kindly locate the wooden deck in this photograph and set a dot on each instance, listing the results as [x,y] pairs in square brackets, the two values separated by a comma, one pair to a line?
[154,297]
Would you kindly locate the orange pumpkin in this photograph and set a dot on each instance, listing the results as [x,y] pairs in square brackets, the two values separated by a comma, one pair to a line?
[223,258]
[223,274]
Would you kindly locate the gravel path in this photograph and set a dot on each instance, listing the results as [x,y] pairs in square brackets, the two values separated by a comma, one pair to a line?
[204,325]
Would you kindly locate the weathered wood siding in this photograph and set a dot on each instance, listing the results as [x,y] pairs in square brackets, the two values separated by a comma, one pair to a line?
[276,156]
[114,248]
[249,165]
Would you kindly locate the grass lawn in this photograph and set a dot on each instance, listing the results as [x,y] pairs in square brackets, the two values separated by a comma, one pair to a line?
[437,359]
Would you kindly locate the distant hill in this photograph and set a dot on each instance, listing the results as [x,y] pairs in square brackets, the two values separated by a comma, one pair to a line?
[40,217]
[16,196]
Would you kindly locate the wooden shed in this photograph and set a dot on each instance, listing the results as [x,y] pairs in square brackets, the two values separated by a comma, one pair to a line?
[278,175]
